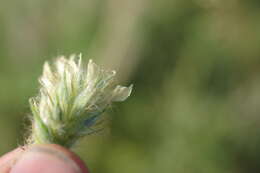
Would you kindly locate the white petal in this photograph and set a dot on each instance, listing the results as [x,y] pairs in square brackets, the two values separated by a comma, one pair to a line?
[93,72]
[121,93]
[61,65]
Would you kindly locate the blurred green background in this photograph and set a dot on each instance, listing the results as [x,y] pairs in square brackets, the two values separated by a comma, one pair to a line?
[195,66]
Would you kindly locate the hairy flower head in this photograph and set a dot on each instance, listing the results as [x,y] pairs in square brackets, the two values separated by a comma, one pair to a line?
[71,100]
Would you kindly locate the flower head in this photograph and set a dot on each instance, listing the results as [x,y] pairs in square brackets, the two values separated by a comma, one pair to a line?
[72,99]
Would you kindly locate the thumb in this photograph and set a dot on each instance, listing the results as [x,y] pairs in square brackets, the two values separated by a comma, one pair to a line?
[48,158]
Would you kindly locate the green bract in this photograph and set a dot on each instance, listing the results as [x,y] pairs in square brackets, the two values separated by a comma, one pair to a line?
[71,100]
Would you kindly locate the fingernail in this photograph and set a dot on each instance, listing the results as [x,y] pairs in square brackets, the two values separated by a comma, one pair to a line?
[45,160]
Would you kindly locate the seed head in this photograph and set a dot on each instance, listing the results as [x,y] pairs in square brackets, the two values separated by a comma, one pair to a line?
[71,100]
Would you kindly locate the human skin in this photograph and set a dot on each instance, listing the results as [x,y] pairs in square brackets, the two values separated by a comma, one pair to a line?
[47,158]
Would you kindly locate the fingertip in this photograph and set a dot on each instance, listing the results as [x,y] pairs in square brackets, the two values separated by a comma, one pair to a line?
[75,158]
[49,158]
[9,159]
